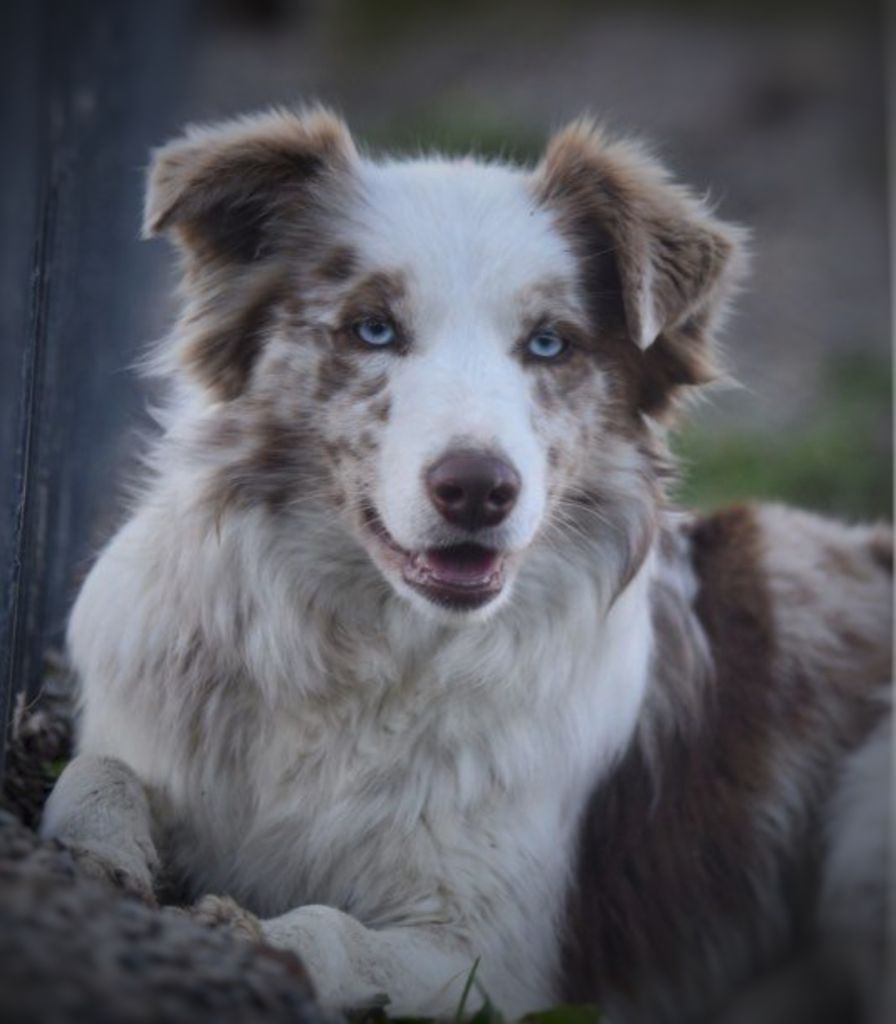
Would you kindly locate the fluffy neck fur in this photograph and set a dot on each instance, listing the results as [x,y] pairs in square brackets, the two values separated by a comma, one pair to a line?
[314,739]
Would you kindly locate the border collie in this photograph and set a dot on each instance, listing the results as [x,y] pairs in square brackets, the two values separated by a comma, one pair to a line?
[404,660]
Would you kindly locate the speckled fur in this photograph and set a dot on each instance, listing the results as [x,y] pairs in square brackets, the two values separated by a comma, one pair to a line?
[395,789]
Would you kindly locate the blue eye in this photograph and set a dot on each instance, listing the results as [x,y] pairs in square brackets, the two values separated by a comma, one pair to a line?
[546,345]
[376,332]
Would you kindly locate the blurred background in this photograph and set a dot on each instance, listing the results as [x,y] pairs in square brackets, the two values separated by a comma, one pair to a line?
[776,109]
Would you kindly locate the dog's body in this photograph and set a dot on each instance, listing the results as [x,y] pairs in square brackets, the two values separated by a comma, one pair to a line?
[404,629]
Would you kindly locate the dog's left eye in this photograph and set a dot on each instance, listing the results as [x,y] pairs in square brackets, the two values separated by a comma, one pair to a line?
[546,345]
[376,332]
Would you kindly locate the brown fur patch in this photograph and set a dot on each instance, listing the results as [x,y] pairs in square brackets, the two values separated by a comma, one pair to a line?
[381,409]
[338,266]
[674,858]
[273,471]
[224,345]
[654,856]
[334,374]
[676,359]
[222,187]
[368,442]
[378,294]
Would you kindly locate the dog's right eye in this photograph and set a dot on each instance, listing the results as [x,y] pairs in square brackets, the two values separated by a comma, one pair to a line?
[376,332]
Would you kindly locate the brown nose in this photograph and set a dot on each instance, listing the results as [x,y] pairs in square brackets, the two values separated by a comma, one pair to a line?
[472,489]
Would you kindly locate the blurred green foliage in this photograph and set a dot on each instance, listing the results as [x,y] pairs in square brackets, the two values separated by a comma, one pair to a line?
[839,462]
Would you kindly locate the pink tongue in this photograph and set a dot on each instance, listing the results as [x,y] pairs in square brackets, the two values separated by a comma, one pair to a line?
[463,564]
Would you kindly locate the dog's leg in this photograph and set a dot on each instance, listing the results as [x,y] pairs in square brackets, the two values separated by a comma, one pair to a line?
[100,809]
[422,970]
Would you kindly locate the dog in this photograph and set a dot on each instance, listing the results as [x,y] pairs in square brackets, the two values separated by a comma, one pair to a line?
[406,662]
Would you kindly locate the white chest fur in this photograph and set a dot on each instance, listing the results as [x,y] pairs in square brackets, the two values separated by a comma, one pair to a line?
[368,759]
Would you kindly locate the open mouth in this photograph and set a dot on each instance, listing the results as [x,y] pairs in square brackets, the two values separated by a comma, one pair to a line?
[457,576]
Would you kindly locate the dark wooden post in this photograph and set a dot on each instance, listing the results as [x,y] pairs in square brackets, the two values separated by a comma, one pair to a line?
[86,89]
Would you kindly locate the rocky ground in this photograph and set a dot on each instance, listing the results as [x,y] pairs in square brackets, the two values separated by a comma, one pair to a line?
[76,946]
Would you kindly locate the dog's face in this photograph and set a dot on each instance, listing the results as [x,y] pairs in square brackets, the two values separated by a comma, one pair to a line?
[453,360]
[461,344]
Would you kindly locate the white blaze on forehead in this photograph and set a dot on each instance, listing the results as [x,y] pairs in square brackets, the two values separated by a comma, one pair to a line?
[470,233]
[470,241]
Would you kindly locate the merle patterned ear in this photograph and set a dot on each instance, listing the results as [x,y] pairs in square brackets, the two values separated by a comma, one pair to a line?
[243,200]
[218,188]
[675,264]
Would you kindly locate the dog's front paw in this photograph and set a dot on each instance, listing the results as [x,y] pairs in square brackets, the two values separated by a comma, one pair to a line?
[129,872]
[337,951]
[223,912]
[100,811]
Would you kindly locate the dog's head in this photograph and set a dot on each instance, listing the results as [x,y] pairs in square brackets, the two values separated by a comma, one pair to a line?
[454,361]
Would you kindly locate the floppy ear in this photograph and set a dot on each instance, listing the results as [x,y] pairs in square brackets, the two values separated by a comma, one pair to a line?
[675,264]
[242,199]
[218,188]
